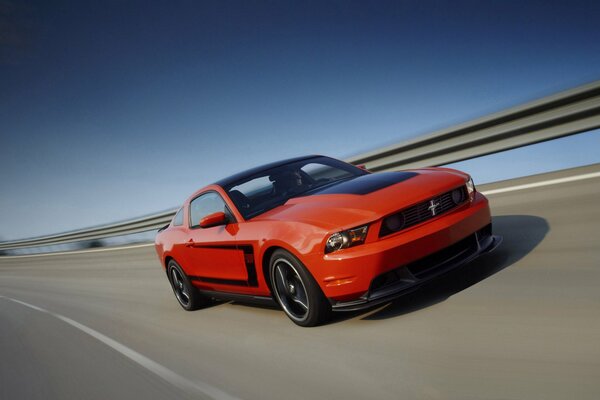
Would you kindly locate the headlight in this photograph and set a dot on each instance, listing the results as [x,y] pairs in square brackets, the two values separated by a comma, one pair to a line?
[471,189]
[344,239]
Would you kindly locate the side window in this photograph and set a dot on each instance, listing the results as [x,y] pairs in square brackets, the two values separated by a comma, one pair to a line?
[178,218]
[204,205]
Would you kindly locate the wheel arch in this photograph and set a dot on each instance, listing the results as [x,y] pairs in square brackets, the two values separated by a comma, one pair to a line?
[266,260]
[167,260]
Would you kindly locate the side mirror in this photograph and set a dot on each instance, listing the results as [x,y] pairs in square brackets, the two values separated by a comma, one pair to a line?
[214,219]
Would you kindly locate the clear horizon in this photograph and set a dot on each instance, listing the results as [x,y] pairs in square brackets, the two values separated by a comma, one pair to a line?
[116,110]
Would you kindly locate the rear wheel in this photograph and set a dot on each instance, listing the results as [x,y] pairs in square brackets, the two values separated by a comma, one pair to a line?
[296,290]
[186,294]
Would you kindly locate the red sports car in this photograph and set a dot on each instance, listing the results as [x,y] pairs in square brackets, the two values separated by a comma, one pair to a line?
[319,235]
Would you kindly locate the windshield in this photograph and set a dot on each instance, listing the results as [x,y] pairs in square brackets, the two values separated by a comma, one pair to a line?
[273,187]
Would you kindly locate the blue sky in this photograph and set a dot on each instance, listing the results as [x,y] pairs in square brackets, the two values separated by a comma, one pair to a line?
[116,109]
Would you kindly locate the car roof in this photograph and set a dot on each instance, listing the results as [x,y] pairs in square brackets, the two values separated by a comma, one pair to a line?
[225,182]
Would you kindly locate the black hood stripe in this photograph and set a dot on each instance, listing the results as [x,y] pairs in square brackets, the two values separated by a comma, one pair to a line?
[369,183]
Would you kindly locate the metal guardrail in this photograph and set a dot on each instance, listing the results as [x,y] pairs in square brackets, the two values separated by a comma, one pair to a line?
[562,114]
[137,225]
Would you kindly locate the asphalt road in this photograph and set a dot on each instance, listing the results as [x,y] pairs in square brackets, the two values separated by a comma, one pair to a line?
[520,323]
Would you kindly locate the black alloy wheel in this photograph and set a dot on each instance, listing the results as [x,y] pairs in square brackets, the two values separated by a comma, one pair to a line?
[296,291]
[187,294]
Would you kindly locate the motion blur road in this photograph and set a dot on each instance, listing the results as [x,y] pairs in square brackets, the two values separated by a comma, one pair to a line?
[520,323]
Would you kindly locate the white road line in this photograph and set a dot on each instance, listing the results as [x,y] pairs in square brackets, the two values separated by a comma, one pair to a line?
[544,183]
[135,246]
[195,388]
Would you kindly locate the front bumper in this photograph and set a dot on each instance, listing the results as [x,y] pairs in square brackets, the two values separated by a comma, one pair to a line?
[351,277]
[407,278]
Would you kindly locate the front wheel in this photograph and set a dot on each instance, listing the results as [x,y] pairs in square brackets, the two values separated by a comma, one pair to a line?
[296,290]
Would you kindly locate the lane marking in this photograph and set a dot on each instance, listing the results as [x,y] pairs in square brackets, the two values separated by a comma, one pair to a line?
[544,183]
[196,388]
[134,246]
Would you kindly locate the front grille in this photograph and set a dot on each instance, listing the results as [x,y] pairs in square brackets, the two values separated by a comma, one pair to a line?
[422,212]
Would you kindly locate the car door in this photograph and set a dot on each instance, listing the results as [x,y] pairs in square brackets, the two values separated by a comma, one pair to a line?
[213,258]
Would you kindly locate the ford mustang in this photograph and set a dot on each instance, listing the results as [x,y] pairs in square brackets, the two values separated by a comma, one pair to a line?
[318,235]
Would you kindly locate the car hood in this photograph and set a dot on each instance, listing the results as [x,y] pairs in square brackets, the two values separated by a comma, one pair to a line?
[366,198]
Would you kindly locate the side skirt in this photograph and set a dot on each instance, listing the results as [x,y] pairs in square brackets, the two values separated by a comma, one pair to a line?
[242,298]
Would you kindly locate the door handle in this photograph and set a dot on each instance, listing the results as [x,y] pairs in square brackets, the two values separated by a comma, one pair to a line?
[190,243]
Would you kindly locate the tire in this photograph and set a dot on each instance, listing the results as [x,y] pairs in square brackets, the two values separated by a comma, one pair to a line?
[296,291]
[187,295]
